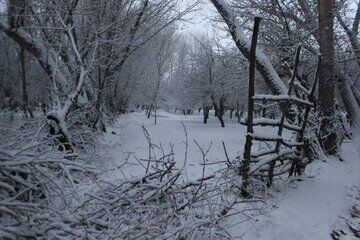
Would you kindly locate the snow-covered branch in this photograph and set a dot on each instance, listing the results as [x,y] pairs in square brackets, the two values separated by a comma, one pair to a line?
[263,64]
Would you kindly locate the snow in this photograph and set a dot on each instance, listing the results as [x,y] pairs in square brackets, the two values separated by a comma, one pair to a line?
[130,140]
[348,224]
[258,153]
[301,87]
[306,209]
[270,158]
[265,137]
[275,122]
[258,15]
[284,97]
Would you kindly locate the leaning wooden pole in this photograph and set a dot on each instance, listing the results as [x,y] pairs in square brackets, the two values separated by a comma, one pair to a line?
[300,137]
[250,116]
[281,126]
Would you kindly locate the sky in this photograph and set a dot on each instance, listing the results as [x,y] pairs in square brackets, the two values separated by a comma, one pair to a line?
[198,21]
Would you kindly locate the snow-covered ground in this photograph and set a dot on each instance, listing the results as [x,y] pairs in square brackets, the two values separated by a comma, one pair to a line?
[169,130]
[306,209]
[309,209]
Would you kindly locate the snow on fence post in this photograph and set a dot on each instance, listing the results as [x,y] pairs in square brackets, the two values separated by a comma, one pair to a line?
[251,91]
[300,138]
[281,126]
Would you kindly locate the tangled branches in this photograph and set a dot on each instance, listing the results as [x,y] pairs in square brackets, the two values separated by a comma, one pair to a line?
[41,197]
[161,204]
[32,176]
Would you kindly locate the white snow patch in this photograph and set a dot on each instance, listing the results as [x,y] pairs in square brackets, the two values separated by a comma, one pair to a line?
[309,209]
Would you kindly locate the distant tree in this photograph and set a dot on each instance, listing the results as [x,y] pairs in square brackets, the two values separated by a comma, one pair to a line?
[163,48]
[17,12]
[211,78]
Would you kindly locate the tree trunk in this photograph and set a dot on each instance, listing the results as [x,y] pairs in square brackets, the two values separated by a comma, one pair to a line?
[221,119]
[242,111]
[244,170]
[222,112]
[149,111]
[356,93]
[99,98]
[205,113]
[219,111]
[327,79]
[155,114]
[238,112]
[348,98]
[24,83]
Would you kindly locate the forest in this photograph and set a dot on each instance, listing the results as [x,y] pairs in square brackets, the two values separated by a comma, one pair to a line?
[169,119]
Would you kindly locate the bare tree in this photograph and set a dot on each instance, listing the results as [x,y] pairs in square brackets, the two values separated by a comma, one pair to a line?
[164,46]
[16,17]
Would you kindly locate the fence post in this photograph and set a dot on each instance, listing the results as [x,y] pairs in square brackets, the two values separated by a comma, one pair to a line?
[250,115]
[281,126]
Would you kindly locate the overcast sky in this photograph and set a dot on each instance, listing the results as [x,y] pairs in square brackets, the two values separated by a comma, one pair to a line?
[198,20]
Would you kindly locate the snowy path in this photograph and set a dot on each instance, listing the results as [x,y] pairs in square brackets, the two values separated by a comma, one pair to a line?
[308,210]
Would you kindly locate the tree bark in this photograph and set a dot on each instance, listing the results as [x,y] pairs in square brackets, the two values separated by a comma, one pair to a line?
[99,99]
[150,110]
[327,76]
[24,83]
[219,111]
[205,113]
[244,171]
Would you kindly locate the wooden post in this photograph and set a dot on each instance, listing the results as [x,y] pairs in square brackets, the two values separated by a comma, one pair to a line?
[264,108]
[247,151]
[300,137]
[281,126]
